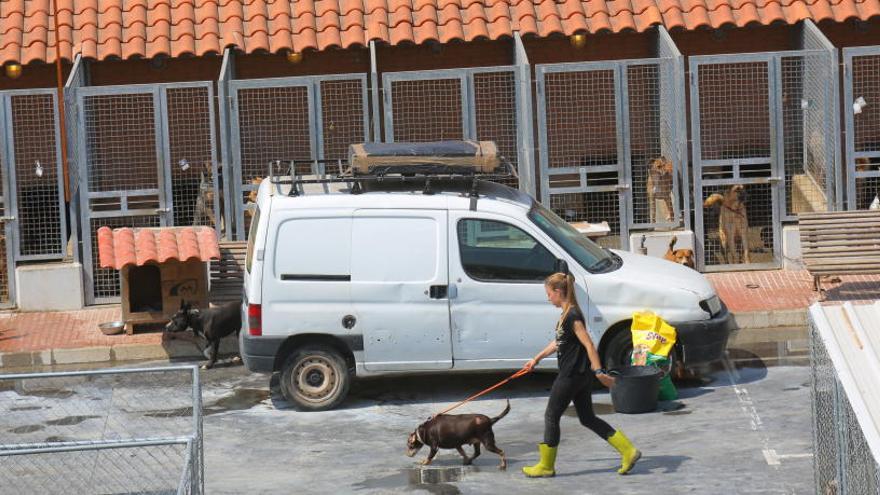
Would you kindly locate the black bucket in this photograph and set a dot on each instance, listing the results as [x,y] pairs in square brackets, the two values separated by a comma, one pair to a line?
[635,389]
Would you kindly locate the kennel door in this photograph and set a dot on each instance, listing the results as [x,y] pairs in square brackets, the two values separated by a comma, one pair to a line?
[860,106]
[583,159]
[7,231]
[736,133]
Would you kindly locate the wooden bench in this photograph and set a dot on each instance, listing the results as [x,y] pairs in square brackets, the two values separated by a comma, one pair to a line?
[227,273]
[840,243]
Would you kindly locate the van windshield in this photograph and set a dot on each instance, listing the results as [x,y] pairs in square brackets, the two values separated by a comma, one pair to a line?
[591,256]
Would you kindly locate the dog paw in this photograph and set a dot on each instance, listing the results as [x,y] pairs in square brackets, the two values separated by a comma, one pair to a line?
[205,367]
[236,360]
[502,467]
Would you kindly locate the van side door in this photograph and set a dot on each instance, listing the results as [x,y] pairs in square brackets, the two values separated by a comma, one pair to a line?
[500,313]
[399,288]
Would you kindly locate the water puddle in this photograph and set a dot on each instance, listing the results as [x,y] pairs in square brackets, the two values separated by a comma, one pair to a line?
[170,413]
[26,429]
[241,399]
[27,408]
[70,420]
[48,393]
[435,480]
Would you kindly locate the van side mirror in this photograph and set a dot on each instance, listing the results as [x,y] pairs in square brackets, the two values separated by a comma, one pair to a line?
[561,266]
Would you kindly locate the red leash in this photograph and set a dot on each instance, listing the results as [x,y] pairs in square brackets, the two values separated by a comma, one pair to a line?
[484,392]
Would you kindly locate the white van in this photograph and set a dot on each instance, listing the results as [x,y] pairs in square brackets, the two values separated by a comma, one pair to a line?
[379,280]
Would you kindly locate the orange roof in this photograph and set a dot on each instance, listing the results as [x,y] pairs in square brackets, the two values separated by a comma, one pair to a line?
[100,29]
[120,247]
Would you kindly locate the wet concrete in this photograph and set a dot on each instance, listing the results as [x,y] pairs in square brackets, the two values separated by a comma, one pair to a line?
[711,440]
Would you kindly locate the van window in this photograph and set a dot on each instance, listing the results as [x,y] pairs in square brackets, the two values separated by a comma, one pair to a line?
[252,235]
[493,251]
[394,249]
[313,249]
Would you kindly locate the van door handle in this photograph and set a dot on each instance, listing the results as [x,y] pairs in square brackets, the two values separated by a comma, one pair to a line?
[438,291]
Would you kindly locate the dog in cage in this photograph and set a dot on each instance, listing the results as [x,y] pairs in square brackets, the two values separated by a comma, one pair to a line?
[659,187]
[252,196]
[733,222]
[204,209]
[681,256]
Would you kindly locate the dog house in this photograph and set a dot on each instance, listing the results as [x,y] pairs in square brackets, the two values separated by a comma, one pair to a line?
[159,268]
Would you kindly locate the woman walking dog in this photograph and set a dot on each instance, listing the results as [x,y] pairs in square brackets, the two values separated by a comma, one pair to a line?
[578,363]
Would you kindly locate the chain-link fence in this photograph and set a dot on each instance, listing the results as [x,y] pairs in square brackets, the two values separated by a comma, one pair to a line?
[842,461]
[103,431]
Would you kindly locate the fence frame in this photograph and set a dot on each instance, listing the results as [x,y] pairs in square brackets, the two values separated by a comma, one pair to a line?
[521,81]
[10,175]
[313,88]
[8,227]
[624,165]
[851,155]
[164,191]
[194,463]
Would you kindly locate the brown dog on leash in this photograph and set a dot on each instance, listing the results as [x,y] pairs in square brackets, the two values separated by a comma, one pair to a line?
[452,431]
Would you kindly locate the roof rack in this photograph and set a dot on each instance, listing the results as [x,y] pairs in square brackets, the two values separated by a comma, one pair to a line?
[430,177]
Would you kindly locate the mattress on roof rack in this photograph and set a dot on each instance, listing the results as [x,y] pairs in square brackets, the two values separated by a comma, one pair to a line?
[438,156]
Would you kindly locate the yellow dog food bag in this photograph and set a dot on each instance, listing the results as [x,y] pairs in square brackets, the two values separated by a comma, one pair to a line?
[652,337]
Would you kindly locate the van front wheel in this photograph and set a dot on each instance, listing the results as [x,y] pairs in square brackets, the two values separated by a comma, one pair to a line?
[315,378]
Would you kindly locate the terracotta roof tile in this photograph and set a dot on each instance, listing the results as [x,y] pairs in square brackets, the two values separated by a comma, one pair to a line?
[146,28]
[120,247]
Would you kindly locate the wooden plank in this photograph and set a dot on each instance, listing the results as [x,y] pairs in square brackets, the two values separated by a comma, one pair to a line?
[848,221]
[838,214]
[840,237]
[838,254]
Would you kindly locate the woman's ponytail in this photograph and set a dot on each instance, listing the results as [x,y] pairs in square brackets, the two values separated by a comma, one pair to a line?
[564,282]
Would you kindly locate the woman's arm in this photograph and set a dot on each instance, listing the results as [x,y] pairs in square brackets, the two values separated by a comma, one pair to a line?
[595,362]
[550,349]
[581,332]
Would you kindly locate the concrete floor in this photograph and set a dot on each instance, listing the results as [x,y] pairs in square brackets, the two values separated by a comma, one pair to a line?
[748,431]
[746,428]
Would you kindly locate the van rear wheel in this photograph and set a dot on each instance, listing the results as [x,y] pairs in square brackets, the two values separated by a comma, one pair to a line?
[315,378]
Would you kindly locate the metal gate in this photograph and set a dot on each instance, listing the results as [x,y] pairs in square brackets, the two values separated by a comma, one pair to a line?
[446,104]
[298,118]
[764,149]
[861,106]
[737,141]
[146,157]
[34,226]
[603,127]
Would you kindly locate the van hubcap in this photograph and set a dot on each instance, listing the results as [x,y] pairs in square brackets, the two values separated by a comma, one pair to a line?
[315,379]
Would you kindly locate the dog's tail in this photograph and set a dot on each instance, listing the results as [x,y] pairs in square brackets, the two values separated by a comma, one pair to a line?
[503,413]
[712,200]
[672,243]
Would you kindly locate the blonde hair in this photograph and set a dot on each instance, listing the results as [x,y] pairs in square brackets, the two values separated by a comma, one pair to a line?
[564,283]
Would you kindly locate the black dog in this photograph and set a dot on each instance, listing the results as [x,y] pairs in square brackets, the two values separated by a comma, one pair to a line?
[451,431]
[211,324]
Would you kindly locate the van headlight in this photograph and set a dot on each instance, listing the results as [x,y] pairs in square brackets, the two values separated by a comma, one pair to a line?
[711,306]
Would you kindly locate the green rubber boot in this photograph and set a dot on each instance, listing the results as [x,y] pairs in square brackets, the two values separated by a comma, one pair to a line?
[544,467]
[628,453]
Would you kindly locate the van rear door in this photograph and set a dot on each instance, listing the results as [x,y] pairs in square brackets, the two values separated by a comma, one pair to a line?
[399,288]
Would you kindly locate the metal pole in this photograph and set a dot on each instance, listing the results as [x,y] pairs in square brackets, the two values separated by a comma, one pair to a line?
[61,120]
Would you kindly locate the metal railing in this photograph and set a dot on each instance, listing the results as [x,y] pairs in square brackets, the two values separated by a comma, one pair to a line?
[136,430]
[842,462]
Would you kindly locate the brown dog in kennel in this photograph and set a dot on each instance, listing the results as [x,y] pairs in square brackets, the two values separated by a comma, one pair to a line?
[659,187]
[733,222]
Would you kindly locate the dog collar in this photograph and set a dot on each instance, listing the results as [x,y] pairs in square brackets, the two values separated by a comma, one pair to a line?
[738,211]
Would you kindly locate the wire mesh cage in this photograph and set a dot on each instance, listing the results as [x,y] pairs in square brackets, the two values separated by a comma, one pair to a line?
[454,104]
[146,157]
[194,180]
[861,98]
[37,182]
[302,120]
[738,224]
[104,431]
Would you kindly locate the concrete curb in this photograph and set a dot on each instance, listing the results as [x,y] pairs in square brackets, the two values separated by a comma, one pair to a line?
[751,320]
